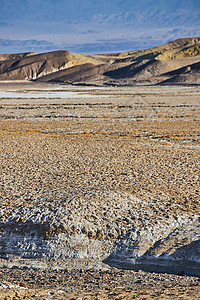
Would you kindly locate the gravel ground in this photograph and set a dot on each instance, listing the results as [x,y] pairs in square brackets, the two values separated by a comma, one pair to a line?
[91,284]
[102,178]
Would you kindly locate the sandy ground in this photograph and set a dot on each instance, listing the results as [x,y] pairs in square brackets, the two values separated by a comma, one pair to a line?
[138,141]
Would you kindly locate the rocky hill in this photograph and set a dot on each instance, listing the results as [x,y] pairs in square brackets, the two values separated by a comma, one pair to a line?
[177,62]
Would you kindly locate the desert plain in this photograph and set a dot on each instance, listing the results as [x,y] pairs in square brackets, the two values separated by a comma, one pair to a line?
[99,191]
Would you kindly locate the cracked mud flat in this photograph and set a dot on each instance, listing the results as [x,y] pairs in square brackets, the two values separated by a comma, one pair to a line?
[106,184]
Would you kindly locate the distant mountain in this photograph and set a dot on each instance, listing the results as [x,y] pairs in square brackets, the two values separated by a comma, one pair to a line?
[96,26]
[32,45]
[177,62]
[137,12]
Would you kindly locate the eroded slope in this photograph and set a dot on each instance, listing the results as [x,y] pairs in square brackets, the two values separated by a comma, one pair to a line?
[148,66]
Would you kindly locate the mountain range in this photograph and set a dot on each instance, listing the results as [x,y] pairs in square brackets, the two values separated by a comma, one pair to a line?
[95,27]
[177,62]
[138,11]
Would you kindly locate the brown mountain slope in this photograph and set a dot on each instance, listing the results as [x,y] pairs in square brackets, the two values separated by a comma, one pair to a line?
[193,68]
[148,69]
[34,66]
[186,75]
[183,79]
[81,73]
[149,66]
[181,53]
[155,52]
[15,56]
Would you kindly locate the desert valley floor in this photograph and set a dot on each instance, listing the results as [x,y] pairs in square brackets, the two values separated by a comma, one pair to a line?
[99,192]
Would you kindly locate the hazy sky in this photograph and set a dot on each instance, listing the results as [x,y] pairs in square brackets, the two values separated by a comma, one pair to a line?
[94,26]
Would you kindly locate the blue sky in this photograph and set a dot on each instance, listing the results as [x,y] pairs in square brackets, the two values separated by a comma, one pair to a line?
[94,27]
